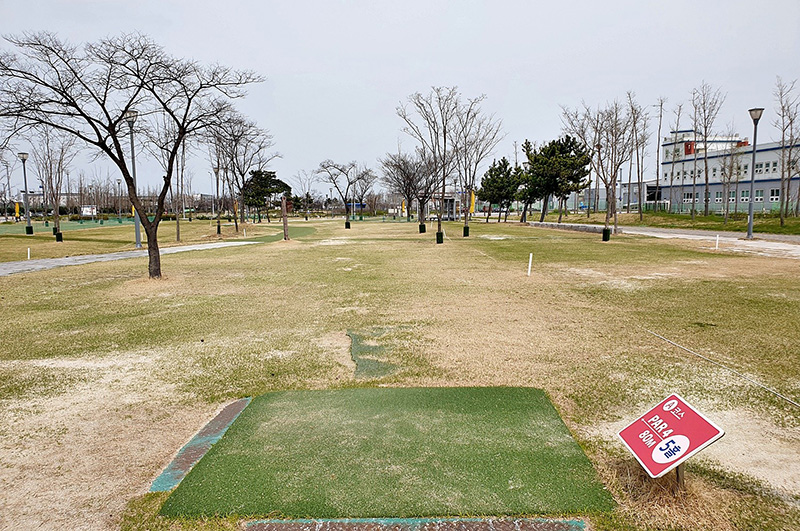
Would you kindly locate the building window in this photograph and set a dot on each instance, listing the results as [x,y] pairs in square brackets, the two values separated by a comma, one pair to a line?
[732,196]
[718,197]
[687,197]
[774,166]
[745,196]
[746,167]
[759,198]
[775,195]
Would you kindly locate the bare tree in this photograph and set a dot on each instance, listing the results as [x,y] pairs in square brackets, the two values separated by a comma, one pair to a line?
[609,131]
[640,134]
[787,105]
[90,92]
[432,121]
[661,101]
[730,167]
[363,186]
[5,155]
[53,152]
[244,147]
[707,102]
[674,154]
[477,136]
[373,200]
[342,177]
[400,174]
[427,183]
[305,181]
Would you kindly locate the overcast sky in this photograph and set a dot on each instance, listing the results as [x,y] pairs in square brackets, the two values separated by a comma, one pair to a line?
[335,71]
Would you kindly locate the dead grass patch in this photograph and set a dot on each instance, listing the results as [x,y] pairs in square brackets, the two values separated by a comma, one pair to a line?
[154,359]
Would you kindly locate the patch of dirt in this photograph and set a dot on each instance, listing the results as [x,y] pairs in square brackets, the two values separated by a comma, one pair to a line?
[337,347]
[73,461]
[750,446]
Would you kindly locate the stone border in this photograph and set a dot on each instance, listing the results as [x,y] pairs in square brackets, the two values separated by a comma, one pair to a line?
[598,229]
[196,448]
[418,524]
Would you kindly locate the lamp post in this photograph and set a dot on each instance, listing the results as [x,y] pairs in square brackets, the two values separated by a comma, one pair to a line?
[755,114]
[28,228]
[216,175]
[119,201]
[130,117]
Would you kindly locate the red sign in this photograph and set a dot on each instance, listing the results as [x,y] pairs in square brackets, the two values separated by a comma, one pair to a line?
[668,435]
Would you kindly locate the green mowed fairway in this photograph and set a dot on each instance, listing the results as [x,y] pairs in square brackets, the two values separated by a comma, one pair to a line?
[390,452]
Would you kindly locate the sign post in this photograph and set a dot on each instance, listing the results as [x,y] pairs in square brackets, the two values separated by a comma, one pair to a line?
[667,435]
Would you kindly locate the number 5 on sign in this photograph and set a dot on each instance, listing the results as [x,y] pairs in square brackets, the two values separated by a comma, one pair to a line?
[668,435]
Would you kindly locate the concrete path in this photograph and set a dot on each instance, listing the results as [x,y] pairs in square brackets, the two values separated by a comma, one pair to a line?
[27,266]
[777,245]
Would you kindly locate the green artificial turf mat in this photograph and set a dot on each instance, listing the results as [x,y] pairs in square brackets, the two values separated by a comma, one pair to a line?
[370,453]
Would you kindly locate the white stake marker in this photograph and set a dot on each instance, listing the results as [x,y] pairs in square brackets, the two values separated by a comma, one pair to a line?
[245,233]
[716,247]
[530,263]
[29,253]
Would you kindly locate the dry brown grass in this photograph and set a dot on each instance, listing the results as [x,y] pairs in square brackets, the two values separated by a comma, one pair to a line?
[151,360]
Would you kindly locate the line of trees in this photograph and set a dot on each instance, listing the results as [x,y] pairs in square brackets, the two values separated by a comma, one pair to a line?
[454,138]
[554,170]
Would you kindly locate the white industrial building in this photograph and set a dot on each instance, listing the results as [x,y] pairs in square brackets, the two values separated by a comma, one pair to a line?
[683,156]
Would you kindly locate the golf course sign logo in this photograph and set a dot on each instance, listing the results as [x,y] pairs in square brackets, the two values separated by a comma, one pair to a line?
[668,434]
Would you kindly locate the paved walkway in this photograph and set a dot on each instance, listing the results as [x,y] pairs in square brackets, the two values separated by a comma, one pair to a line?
[27,266]
[777,245]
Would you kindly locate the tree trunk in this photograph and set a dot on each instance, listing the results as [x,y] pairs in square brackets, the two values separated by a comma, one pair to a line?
[630,172]
[545,203]
[706,195]
[285,218]
[154,264]
[235,218]
[561,203]
[524,218]
[725,194]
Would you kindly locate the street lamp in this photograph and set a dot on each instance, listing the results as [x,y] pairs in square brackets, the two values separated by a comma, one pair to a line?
[755,114]
[216,175]
[130,117]
[28,228]
[119,201]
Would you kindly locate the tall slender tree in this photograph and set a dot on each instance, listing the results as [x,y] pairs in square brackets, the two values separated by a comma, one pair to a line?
[432,121]
[53,152]
[477,136]
[787,107]
[609,130]
[400,174]
[707,102]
